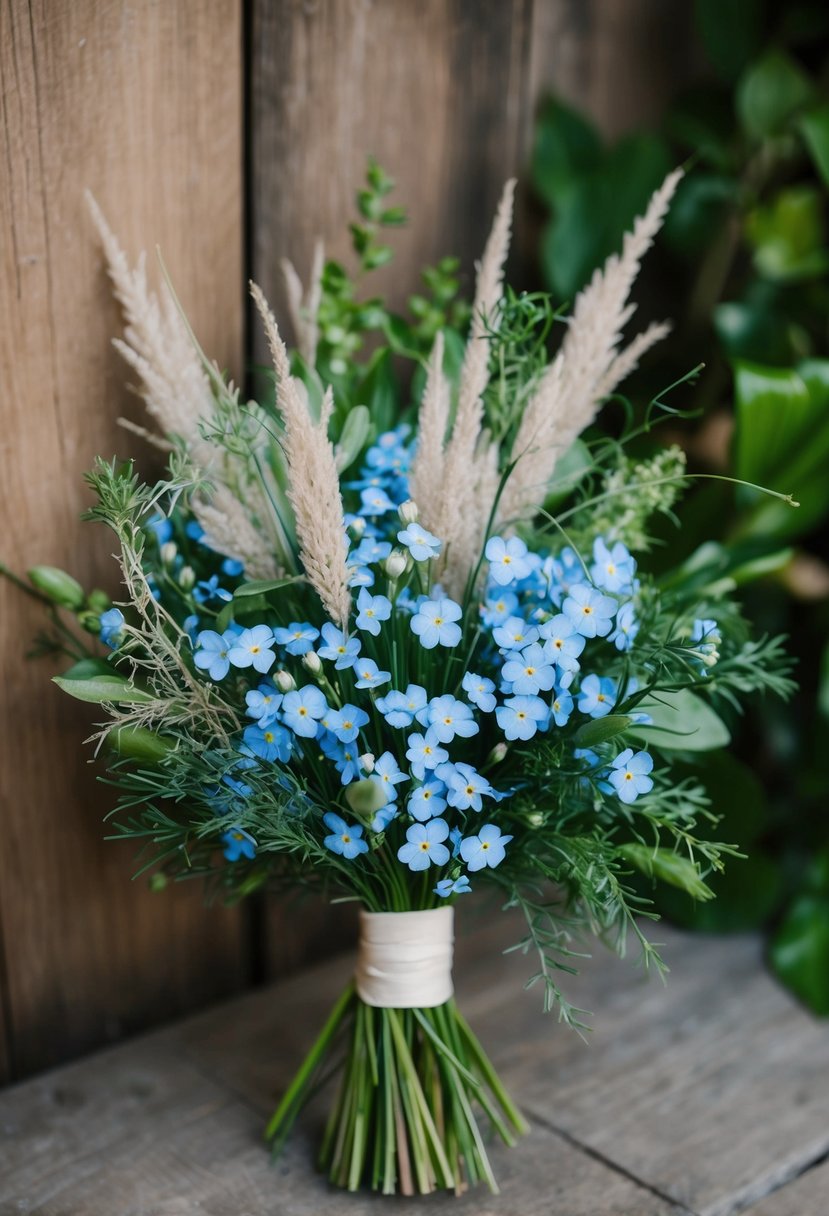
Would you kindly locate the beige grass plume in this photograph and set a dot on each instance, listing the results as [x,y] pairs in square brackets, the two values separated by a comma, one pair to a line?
[304,306]
[589,365]
[313,485]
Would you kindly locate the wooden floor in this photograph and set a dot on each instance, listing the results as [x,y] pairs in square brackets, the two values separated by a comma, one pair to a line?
[709,1095]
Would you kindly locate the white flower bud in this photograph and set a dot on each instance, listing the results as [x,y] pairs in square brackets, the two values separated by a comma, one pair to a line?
[312,662]
[284,681]
[535,819]
[367,762]
[169,552]
[187,578]
[711,659]
[408,512]
[396,563]
[357,527]
[498,753]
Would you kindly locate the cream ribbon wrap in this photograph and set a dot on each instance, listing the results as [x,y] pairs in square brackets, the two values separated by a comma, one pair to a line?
[404,959]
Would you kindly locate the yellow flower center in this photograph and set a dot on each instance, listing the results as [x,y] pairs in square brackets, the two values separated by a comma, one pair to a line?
[424,846]
[255,649]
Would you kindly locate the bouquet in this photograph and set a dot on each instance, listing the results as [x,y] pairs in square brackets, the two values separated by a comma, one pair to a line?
[397,655]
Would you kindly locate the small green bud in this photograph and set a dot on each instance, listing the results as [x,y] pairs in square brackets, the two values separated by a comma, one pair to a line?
[90,621]
[187,578]
[157,882]
[58,586]
[98,601]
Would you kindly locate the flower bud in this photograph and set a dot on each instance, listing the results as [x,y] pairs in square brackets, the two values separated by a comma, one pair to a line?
[498,753]
[535,819]
[98,601]
[357,527]
[711,659]
[312,662]
[187,578]
[90,621]
[57,585]
[284,681]
[396,563]
[367,762]
[408,512]
[169,552]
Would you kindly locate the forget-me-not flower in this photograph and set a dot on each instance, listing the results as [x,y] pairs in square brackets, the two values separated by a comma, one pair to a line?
[450,717]
[629,774]
[613,569]
[562,707]
[626,628]
[370,550]
[387,775]
[302,710]
[435,623]
[345,840]
[514,633]
[591,612]
[337,648]
[270,742]
[212,652]
[563,642]
[369,675]
[496,611]
[401,708]
[262,703]
[485,849]
[508,560]
[209,589]
[110,624]
[297,638]
[457,886]
[424,845]
[529,671]
[597,696]
[465,786]
[238,843]
[480,690]
[425,753]
[253,648]
[427,801]
[346,723]
[371,610]
[521,717]
[421,544]
[375,501]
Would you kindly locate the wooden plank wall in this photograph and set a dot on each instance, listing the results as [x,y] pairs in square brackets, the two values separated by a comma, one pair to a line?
[142,101]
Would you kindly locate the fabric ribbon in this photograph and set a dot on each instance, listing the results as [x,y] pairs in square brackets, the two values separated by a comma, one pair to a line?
[404,959]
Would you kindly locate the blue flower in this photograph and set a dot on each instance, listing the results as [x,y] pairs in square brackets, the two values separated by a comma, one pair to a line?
[563,643]
[562,707]
[456,836]
[597,696]
[447,887]
[213,652]
[629,774]
[338,648]
[466,787]
[268,742]
[424,845]
[302,709]
[238,844]
[252,648]
[370,550]
[566,571]
[589,611]
[194,530]
[161,527]
[345,840]
[369,675]
[427,801]
[232,568]
[190,625]
[706,631]
[262,703]
[449,717]
[384,817]
[613,569]
[400,708]
[387,775]
[205,591]
[375,501]
[425,753]
[434,623]
[345,757]
[508,562]
[421,544]
[346,723]
[298,638]
[111,623]
[371,610]
[480,691]
[485,849]
[529,671]
[496,611]
[626,629]
[360,576]
[521,717]
[514,633]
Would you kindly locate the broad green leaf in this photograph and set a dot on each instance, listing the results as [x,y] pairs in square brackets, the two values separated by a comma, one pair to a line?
[566,147]
[353,437]
[789,236]
[101,688]
[754,332]
[668,866]
[814,127]
[602,729]
[138,743]
[701,205]
[682,722]
[264,585]
[770,93]
[800,951]
[58,586]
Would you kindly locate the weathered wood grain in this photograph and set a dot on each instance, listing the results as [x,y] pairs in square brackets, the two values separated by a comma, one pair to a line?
[140,102]
[807,1195]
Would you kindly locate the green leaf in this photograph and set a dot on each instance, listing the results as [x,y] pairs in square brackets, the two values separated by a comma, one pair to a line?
[789,236]
[602,729]
[754,332]
[814,127]
[682,722]
[85,684]
[732,32]
[800,951]
[353,437]
[770,92]
[701,205]
[566,147]
[667,866]
[264,585]
[138,743]
[58,586]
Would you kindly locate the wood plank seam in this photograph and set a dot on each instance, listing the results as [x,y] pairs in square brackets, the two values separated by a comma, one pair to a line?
[771,1183]
[608,1162]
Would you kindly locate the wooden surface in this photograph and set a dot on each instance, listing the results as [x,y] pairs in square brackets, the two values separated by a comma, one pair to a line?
[140,102]
[707,1096]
